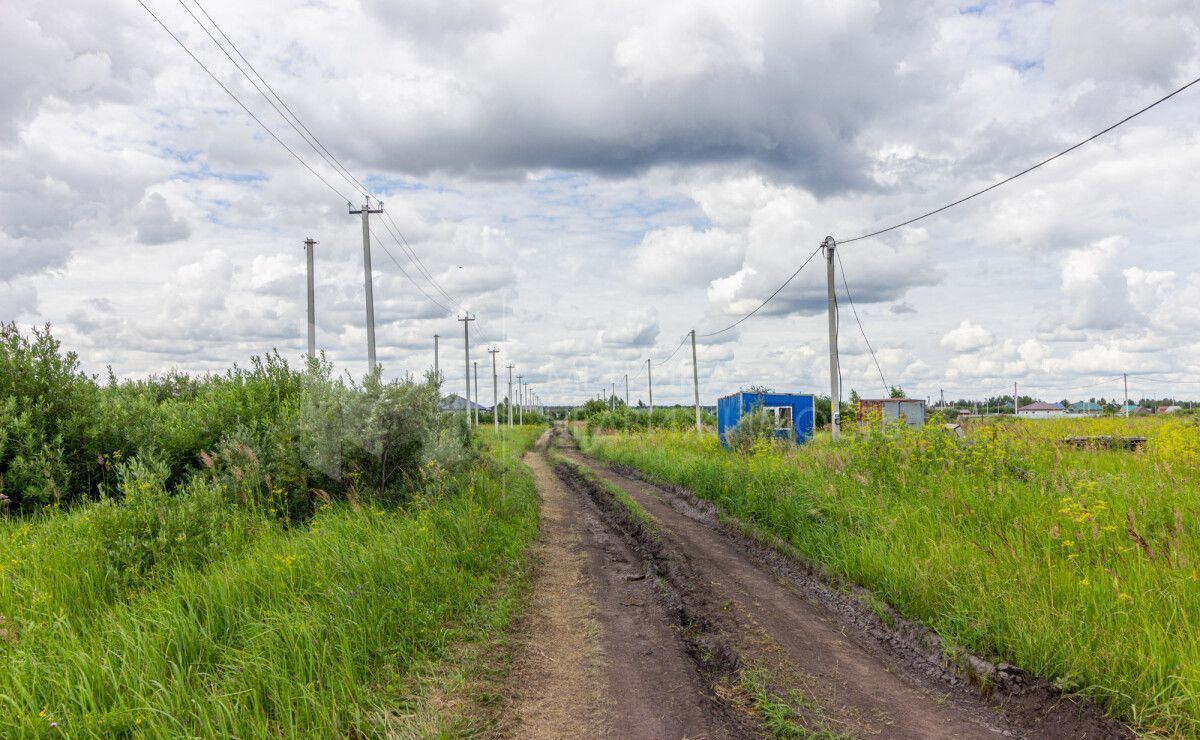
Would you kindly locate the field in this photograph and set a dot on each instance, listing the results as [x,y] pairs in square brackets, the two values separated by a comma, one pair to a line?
[263,553]
[1077,565]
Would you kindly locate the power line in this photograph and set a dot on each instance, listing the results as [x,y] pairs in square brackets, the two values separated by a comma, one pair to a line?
[349,179]
[1168,382]
[1025,171]
[404,272]
[237,100]
[304,132]
[416,260]
[675,351]
[769,298]
[241,56]
[842,269]
[960,201]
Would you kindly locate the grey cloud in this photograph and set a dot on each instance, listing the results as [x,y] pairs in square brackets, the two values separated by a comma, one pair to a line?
[157,225]
[637,331]
[30,256]
[17,300]
[504,110]
[434,21]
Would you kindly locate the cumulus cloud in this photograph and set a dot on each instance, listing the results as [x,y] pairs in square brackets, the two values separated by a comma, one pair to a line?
[680,257]
[1094,287]
[967,337]
[157,225]
[637,330]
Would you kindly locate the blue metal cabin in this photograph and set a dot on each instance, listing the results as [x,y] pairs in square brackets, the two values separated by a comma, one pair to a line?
[795,413]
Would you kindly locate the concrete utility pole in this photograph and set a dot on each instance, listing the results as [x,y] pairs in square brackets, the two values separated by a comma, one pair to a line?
[650,387]
[475,408]
[510,398]
[942,403]
[437,372]
[466,320]
[312,309]
[835,390]
[495,391]
[366,212]
[612,398]
[696,381]
[1014,398]
[1125,378]
[626,390]
[520,402]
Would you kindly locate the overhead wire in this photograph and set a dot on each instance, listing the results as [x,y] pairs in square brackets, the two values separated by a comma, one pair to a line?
[350,179]
[1025,171]
[673,352]
[768,300]
[294,121]
[238,100]
[962,200]
[861,329]
[404,272]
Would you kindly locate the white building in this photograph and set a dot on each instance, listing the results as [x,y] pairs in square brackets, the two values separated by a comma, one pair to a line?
[1042,410]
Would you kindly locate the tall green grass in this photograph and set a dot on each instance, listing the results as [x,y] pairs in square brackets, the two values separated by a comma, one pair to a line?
[262,630]
[1076,565]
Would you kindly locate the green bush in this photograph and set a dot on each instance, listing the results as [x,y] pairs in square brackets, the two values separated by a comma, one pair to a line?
[755,427]
[270,436]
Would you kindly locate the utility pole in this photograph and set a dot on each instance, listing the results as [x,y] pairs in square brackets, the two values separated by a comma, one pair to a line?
[495,391]
[437,373]
[650,388]
[312,309]
[626,390]
[835,391]
[1125,378]
[475,408]
[520,402]
[612,399]
[366,212]
[696,381]
[466,320]
[1014,398]
[942,403]
[510,398]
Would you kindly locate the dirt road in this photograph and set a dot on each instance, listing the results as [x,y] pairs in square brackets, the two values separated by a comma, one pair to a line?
[678,627]
[599,654]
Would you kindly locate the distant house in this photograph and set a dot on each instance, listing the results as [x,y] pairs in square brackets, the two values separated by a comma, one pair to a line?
[911,411]
[455,402]
[1168,409]
[1085,408]
[1041,410]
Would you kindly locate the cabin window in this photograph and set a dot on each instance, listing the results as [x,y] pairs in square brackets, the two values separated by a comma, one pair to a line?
[782,416]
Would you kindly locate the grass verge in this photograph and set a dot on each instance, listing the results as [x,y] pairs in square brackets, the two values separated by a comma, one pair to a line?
[353,625]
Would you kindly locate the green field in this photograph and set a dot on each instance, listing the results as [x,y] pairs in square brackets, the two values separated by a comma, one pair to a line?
[1077,565]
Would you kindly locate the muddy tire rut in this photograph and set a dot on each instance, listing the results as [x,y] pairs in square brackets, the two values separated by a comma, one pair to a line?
[740,607]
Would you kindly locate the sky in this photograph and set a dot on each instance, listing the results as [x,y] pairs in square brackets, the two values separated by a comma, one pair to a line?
[594,180]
